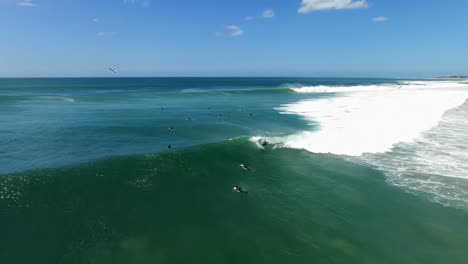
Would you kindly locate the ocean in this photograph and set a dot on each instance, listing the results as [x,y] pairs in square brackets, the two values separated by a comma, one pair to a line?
[142,170]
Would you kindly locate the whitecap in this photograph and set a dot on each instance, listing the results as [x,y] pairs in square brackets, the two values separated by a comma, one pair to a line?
[372,120]
[415,132]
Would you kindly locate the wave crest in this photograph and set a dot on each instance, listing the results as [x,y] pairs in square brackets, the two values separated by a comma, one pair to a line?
[412,85]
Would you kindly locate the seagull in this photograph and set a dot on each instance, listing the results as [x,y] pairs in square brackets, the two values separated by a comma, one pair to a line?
[112,70]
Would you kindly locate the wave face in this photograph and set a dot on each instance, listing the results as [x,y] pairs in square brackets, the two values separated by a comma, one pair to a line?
[404,129]
[143,208]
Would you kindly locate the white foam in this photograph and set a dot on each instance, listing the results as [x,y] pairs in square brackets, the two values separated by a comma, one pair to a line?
[60,98]
[415,133]
[341,89]
[193,90]
[435,163]
[414,85]
[371,119]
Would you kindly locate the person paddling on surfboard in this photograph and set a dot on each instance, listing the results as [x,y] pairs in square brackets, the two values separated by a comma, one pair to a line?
[240,190]
[245,167]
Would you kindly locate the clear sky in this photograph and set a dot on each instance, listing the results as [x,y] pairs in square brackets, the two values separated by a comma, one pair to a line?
[365,38]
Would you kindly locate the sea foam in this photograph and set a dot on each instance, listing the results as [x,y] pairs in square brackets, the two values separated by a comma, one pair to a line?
[434,163]
[415,132]
[371,119]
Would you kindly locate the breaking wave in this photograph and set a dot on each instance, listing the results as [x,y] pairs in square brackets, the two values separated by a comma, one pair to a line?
[371,119]
[413,85]
[414,131]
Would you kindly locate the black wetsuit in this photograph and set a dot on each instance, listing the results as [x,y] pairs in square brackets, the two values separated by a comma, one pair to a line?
[240,190]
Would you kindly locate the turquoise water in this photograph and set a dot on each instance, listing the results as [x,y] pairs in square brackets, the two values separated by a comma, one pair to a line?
[86,177]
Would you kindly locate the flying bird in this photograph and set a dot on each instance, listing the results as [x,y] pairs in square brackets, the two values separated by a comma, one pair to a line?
[112,70]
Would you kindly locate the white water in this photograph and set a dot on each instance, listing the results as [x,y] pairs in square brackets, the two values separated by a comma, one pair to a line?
[416,132]
[371,119]
[413,85]
[59,98]
[436,163]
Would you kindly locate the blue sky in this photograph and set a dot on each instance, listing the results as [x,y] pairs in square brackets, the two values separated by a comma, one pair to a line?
[365,38]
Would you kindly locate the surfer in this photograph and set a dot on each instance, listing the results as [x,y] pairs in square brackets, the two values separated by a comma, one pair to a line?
[171,128]
[263,145]
[188,119]
[112,70]
[240,190]
[169,146]
[245,167]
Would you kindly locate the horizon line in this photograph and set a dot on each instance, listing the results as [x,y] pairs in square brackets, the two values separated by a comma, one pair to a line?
[121,77]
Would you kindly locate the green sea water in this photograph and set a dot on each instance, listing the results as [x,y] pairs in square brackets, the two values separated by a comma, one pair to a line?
[86,177]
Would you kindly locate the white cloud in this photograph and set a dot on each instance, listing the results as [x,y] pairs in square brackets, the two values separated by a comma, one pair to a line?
[248,18]
[105,34]
[231,31]
[27,3]
[380,19]
[308,6]
[234,31]
[95,20]
[143,3]
[269,13]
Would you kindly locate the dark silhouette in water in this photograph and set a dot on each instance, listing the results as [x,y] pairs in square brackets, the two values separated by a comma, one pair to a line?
[263,145]
[245,167]
[171,128]
[240,190]
[169,146]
